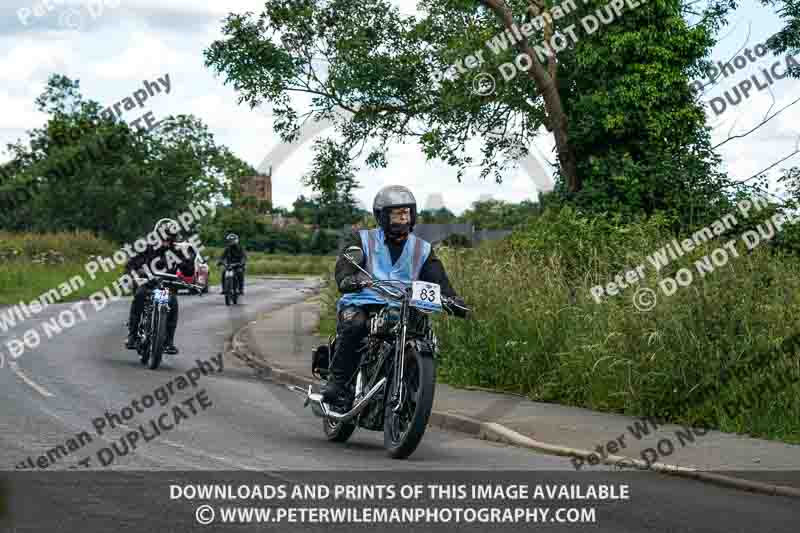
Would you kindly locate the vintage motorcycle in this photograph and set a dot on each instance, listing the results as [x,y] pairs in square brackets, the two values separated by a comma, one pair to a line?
[396,378]
[152,328]
[230,283]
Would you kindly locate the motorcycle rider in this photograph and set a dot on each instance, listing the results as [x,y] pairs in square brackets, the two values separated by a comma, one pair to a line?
[391,251]
[166,257]
[234,253]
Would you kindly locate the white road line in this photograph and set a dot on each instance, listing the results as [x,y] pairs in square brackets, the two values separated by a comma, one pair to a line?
[195,451]
[38,388]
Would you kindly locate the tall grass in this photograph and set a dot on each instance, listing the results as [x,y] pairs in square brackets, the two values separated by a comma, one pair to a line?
[32,264]
[538,331]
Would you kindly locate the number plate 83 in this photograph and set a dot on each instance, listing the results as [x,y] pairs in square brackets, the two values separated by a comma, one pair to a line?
[426,296]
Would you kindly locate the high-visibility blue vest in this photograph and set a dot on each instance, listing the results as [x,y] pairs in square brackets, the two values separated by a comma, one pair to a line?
[379,263]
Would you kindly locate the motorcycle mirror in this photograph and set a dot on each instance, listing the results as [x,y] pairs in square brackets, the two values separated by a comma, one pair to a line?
[354,254]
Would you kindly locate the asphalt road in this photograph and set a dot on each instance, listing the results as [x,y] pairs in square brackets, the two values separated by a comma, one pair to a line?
[244,429]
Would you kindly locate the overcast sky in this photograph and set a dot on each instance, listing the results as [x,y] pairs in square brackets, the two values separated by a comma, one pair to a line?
[114,48]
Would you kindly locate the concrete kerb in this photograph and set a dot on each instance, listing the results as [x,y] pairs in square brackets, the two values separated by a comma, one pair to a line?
[494,432]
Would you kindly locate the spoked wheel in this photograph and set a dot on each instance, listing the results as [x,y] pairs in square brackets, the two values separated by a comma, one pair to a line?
[403,431]
[144,353]
[142,347]
[158,338]
[228,291]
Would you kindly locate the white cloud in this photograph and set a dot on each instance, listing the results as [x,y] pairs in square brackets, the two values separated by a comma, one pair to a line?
[143,39]
[29,58]
[19,113]
[147,54]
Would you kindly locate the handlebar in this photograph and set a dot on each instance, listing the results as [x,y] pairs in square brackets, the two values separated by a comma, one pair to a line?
[165,278]
[385,286]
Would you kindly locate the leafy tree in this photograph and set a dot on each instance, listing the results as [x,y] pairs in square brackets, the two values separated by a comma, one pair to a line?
[437,216]
[788,38]
[629,133]
[497,214]
[85,172]
[333,175]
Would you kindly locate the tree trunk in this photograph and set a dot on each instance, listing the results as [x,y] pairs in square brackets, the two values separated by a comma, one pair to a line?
[546,83]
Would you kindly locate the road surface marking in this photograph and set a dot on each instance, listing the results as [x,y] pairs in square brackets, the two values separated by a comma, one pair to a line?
[38,388]
[198,452]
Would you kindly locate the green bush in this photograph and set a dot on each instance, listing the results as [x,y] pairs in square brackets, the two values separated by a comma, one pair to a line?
[539,331]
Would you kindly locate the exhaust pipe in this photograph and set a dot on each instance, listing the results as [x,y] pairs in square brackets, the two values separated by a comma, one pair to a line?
[320,409]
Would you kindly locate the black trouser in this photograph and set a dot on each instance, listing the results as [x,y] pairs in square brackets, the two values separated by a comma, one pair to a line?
[239,273]
[137,306]
[351,332]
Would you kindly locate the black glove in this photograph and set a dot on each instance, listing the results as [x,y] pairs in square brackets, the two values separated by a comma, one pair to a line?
[457,311]
[354,283]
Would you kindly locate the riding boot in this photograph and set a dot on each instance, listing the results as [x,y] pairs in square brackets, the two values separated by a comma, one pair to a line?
[351,331]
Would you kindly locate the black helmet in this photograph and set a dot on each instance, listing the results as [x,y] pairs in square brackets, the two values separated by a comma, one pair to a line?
[232,238]
[390,197]
[168,229]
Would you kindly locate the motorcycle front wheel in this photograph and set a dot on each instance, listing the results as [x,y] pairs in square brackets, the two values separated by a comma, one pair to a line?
[228,288]
[158,337]
[403,431]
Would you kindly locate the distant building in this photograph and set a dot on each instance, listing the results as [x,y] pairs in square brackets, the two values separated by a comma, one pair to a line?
[258,186]
[434,202]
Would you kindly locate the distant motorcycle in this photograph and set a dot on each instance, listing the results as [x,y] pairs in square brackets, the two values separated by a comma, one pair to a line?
[394,387]
[151,331]
[230,285]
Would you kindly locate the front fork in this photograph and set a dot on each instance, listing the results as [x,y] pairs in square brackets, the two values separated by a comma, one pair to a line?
[400,354]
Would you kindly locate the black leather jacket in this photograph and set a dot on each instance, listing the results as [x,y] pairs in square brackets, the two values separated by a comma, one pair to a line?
[233,253]
[180,261]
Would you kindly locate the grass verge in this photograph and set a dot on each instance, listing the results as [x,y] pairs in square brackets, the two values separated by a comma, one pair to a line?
[538,331]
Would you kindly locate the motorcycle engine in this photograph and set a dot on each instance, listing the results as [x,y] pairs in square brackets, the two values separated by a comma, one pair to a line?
[379,350]
[385,321]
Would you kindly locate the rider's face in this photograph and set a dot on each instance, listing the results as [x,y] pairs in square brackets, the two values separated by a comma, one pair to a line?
[400,215]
